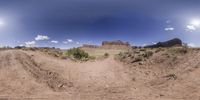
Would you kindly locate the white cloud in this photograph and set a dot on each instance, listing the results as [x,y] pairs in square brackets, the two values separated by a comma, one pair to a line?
[191,27]
[21,45]
[168,21]
[195,22]
[70,40]
[77,42]
[144,45]
[169,29]
[65,42]
[54,41]
[154,43]
[41,37]
[191,45]
[30,44]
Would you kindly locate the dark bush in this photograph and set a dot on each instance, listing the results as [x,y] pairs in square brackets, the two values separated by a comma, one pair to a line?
[106,55]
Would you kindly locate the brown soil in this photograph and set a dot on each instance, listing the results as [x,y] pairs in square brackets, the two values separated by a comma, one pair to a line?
[33,75]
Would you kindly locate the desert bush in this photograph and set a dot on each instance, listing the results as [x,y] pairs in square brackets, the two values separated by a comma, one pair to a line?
[77,53]
[106,55]
[171,76]
[142,49]
[92,57]
[158,50]
[32,49]
[182,50]
[148,54]
[136,59]
[120,54]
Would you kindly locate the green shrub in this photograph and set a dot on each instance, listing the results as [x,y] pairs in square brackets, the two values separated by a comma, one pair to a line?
[77,53]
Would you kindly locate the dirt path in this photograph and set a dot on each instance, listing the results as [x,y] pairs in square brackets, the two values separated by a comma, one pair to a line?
[34,75]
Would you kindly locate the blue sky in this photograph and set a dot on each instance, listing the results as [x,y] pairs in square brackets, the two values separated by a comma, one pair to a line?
[68,23]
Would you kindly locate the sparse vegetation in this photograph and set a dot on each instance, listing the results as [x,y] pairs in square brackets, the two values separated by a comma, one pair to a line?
[148,54]
[137,59]
[136,55]
[181,50]
[77,53]
[158,50]
[106,55]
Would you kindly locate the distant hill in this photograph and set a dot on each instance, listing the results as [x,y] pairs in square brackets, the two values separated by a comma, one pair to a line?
[169,43]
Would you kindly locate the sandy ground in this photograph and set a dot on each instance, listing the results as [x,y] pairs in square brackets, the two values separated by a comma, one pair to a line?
[28,75]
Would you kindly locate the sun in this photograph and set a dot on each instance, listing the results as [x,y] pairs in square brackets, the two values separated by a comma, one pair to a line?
[195,22]
[1,23]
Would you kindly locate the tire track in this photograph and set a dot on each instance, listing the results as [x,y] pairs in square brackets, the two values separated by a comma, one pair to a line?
[52,79]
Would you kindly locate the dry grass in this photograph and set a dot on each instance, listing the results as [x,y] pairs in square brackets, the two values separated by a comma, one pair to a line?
[97,52]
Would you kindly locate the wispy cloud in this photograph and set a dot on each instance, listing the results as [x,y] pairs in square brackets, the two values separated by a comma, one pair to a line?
[169,29]
[70,40]
[65,42]
[77,42]
[168,21]
[191,45]
[54,41]
[30,43]
[191,27]
[41,37]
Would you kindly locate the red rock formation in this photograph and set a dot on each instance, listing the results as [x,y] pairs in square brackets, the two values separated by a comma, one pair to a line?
[118,42]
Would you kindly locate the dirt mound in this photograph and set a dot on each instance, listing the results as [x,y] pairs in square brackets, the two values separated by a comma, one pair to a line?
[169,73]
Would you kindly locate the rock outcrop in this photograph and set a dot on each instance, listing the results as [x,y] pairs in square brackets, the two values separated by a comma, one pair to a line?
[169,43]
[117,42]
[89,46]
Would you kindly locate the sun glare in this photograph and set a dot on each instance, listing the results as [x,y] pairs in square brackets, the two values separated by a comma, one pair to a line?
[1,23]
[195,22]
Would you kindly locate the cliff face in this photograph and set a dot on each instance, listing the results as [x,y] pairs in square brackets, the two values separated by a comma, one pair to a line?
[118,42]
[169,43]
[90,46]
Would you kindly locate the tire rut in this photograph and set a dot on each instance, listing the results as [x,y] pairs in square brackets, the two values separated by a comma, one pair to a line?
[52,79]
[5,60]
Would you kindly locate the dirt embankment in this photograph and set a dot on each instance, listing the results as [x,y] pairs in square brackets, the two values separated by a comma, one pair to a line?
[31,74]
[21,75]
[140,74]
[167,73]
